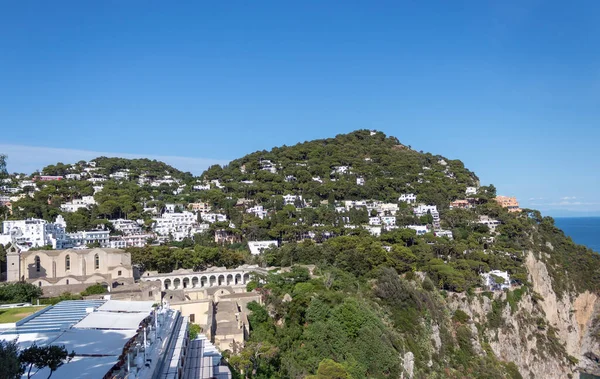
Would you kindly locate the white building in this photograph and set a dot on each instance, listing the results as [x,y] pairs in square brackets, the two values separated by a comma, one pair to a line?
[128,227]
[291,199]
[420,229]
[387,209]
[374,221]
[490,222]
[360,181]
[120,175]
[409,198]
[73,176]
[76,204]
[388,220]
[496,280]
[173,222]
[374,230]
[443,233]
[85,238]
[422,210]
[349,204]
[213,217]
[134,240]
[201,187]
[35,233]
[471,191]
[258,211]
[172,208]
[256,247]
[340,170]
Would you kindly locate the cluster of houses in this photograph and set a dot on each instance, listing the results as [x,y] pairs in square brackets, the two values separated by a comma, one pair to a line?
[178,221]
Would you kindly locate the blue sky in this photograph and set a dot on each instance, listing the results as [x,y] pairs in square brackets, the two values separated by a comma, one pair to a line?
[512,88]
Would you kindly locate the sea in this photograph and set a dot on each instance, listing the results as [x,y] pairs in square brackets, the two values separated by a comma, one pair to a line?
[583,230]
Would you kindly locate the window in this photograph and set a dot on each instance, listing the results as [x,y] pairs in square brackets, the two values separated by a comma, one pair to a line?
[119,273]
[192,317]
[37,265]
[39,284]
[149,293]
[67,281]
[96,262]
[68,262]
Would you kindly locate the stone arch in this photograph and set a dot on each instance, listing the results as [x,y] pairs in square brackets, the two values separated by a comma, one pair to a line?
[176,283]
[186,282]
[195,282]
[221,279]
[229,279]
[203,281]
[238,279]
[212,281]
[167,284]
[246,278]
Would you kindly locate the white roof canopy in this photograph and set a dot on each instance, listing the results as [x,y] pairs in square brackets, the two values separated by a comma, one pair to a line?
[111,320]
[126,306]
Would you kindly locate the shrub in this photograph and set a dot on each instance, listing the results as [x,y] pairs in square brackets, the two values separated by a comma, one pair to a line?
[96,289]
[460,317]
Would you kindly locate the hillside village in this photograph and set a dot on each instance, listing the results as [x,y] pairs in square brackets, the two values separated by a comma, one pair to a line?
[169,206]
[281,246]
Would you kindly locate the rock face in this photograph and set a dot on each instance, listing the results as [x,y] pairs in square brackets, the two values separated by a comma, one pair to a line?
[544,335]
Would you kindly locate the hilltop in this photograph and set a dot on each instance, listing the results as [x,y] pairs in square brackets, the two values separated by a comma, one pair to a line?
[360,165]
[416,269]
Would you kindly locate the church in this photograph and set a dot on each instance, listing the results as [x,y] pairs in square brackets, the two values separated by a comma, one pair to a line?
[69,267]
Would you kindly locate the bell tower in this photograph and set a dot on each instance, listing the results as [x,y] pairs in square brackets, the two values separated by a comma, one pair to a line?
[13,263]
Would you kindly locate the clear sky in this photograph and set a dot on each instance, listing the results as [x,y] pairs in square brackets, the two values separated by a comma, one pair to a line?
[512,88]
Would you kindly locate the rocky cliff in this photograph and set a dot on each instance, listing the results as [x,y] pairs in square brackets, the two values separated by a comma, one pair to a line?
[546,336]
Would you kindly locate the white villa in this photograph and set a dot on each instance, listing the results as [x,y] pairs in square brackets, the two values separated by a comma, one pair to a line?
[492,282]
[409,198]
[256,247]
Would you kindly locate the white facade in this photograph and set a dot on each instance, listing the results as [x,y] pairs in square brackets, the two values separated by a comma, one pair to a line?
[128,227]
[258,211]
[388,220]
[420,229]
[409,198]
[374,221]
[35,233]
[76,204]
[201,187]
[422,210]
[443,233]
[360,181]
[120,175]
[490,222]
[213,217]
[492,284]
[73,176]
[135,240]
[174,222]
[291,199]
[256,247]
[85,238]
[387,209]
[340,170]
[471,191]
